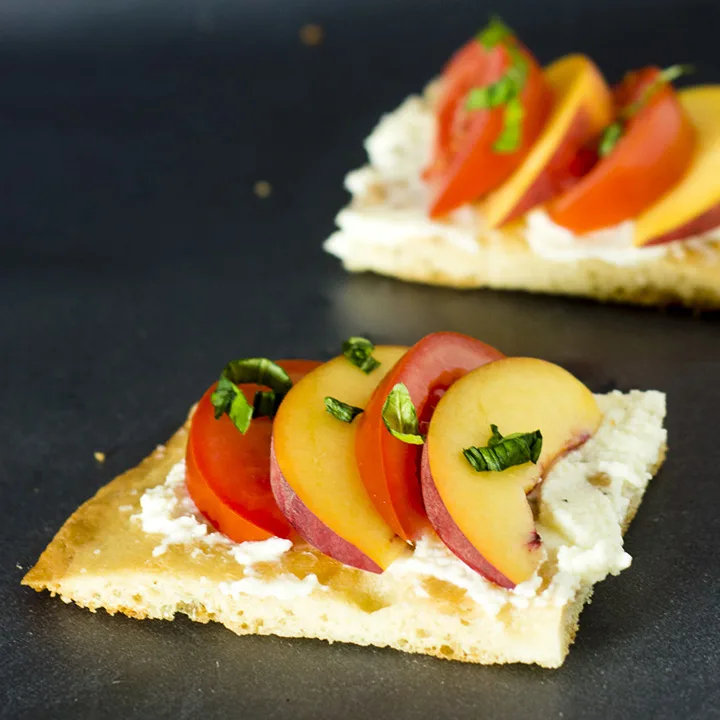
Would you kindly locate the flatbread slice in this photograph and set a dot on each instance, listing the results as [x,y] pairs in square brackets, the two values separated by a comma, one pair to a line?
[140,547]
[385,229]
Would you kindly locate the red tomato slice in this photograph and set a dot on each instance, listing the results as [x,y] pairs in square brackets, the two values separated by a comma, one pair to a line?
[651,156]
[228,473]
[466,166]
[390,468]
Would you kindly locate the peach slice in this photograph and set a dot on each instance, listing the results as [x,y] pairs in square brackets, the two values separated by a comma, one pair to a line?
[698,193]
[583,106]
[484,517]
[314,472]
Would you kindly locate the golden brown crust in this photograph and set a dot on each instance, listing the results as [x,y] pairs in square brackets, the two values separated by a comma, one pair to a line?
[102,558]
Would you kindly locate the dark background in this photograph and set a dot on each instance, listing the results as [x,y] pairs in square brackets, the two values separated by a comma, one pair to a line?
[135,260]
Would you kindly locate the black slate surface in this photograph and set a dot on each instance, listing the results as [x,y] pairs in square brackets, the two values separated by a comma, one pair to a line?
[135,260]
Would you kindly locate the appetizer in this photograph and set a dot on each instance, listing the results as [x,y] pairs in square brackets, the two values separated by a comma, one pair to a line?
[503,174]
[440,499]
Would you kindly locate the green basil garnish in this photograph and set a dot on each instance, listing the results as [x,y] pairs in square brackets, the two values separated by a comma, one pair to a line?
[503,452]
[511,136]
[613,132]
[666,76]
[229,399]
[496,31]
[340,410]
[610,137]
[358,351]
[506,91]
[400,416]
[259,371]
[265,403]
[490,96]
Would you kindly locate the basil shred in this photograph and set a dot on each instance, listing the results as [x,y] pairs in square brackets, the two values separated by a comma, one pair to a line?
[506,91]
[400,416]
[358,350]
[228,399]
[340,410]
[613,132]
[503,452]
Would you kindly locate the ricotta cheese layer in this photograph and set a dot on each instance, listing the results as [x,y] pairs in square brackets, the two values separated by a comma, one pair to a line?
[169,512]
[390,201]
[582,506]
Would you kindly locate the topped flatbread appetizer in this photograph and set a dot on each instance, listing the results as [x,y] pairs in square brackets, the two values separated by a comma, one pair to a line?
[439,499]
[507,175]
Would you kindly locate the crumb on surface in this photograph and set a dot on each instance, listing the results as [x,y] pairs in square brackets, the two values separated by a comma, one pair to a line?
[311,34]
[262,189]
[99,456]
[18,566]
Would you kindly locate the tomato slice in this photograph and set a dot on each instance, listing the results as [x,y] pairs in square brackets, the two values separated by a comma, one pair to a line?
[466,164]
[653,152]
[390,468]
[228,473]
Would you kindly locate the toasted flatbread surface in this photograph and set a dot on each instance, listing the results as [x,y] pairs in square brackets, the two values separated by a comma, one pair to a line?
[103,558]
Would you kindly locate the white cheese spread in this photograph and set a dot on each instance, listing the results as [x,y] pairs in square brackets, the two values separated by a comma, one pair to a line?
[400,147]
[612,244]
[581,509]
[583,503]
[169,512]
[390,201]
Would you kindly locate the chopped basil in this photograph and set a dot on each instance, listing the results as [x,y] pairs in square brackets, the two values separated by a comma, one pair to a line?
[503,452]
[358,351]
[506,91]
[400,416]
[511,135]
[259,371]
[229,399]
[666,76]
[498,93]
[672,73]
[494,32]
[610,137]
[518,71]
[265,403]
[340,410]
[613,132]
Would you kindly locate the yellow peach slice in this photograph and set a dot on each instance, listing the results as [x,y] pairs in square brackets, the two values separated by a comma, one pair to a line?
[699,190]
[314,472]
[484,517]
[583,106]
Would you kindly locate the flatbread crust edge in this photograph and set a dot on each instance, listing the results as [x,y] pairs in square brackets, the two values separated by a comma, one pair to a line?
[692,280]
[101,558]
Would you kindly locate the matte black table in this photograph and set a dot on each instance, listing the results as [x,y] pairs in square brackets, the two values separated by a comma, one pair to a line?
[135,259]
